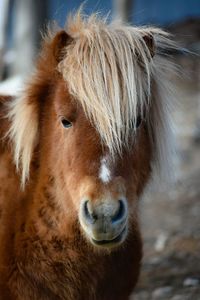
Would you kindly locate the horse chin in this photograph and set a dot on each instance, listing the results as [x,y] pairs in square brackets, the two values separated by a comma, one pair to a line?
[110,243]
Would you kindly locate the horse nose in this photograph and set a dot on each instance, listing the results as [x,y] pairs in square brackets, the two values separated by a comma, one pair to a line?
[92,214]
[105,222]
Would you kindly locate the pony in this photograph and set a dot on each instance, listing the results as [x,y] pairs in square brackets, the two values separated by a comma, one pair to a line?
[78,147]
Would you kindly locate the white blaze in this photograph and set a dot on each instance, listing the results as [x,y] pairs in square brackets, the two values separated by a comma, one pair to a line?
[104,174]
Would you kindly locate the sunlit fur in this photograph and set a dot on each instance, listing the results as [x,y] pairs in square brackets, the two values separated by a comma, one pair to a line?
[113,91]
[23,132]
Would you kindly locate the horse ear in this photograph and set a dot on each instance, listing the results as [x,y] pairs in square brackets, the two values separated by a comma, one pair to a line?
[60,41]
[149,41]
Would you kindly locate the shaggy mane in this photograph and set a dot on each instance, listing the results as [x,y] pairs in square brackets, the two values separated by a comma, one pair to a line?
[109,69]
[101,70]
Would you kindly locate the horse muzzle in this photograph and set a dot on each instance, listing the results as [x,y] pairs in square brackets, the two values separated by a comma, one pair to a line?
[104,222]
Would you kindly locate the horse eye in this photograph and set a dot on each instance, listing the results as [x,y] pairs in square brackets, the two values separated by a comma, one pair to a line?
[66,123]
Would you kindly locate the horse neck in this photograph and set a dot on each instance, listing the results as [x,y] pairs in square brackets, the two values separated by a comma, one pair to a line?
[9,179]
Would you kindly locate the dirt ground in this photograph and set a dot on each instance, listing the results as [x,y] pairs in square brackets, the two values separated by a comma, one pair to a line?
[170,219]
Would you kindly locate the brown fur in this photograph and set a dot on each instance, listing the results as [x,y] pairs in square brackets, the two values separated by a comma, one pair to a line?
[44,253]
[42,249]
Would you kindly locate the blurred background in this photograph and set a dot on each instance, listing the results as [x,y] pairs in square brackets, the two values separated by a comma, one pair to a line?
[170,218]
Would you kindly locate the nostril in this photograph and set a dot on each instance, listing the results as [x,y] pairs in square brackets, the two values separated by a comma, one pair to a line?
[89,216]
[120,213]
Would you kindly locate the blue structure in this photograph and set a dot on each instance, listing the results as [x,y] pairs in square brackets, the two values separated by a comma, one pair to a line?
[158,12]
